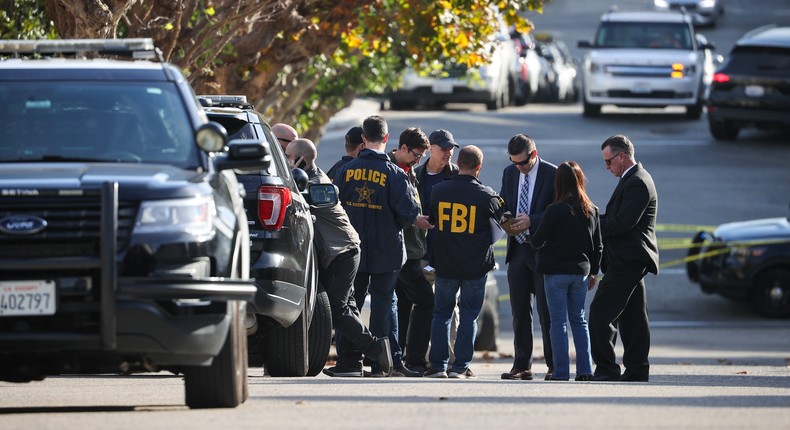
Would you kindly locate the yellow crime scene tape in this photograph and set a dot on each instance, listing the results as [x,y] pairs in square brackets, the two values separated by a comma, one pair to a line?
[675,243]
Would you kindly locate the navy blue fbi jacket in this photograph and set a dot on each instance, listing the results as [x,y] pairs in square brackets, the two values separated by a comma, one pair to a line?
[461,210]
[380,202]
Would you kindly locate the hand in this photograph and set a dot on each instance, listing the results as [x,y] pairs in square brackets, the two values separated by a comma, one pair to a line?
[422,222]
[591,281]
[522,222]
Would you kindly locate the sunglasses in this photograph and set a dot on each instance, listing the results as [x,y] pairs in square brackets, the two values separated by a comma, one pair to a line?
[525,162]
[609,161]
[284,140]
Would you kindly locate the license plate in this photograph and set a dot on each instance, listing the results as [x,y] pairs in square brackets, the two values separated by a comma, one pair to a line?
[20,298]
[442,87]
[754,91]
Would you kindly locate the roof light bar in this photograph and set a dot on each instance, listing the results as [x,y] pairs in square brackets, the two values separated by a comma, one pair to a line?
[142,48]
[225,98]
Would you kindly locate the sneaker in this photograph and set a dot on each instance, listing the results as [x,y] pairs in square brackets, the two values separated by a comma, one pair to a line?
[434,373]
[405,372]
[342,372]
[461,374]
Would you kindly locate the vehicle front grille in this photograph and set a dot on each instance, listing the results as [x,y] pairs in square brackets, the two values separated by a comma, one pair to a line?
[648,95]
[73,226]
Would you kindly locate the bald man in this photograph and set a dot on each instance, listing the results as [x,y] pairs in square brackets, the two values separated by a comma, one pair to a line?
[285,134]
[337,246]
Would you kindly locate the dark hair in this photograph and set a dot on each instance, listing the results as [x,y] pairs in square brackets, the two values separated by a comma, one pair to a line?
[413,138]
[374,128]
[619,143]
[569,184]
[469,157]
[520,143]
[353,139]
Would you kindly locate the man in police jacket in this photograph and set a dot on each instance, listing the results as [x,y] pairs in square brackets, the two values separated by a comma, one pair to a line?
[463,211]
[380,202]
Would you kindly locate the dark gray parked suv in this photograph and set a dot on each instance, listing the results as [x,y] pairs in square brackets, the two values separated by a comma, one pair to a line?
[124,244]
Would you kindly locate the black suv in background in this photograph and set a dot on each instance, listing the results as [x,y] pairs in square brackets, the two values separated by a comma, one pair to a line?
[752,86]
[746,261]
[290,322]
[124,245]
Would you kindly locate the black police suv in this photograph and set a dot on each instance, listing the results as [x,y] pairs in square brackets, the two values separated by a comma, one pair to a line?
[289,321]
[752,87]
[746,261]
[124,244]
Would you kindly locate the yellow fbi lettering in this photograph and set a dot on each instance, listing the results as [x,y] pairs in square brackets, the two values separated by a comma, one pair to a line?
[366,175]
[458,217]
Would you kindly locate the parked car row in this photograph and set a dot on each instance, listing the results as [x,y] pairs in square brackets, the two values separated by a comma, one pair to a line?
[141,230]
[523,69]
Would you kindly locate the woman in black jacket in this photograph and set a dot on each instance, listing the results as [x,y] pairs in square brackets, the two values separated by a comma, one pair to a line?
[569,247]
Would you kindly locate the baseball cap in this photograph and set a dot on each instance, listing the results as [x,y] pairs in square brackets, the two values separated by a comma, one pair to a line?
[354,135]
[443,138]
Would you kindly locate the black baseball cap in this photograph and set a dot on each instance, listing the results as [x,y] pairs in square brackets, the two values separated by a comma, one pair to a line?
[354,135]
[443,138]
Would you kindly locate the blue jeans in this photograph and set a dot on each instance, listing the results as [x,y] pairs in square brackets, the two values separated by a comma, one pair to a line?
[565,295]
[471,301]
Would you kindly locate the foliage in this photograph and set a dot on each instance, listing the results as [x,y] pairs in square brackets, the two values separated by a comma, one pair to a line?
[24,19]
[299,61]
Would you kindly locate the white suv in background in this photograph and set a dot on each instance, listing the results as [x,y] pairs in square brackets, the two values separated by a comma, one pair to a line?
[644,59]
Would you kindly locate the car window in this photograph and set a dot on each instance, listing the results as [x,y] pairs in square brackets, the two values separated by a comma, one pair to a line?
[654,35]
[93,121]
[759,60]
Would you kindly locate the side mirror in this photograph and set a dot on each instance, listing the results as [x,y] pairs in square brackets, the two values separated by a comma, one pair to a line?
[321,195]
[244,154]
[584,44]
[300,177]
[211,137]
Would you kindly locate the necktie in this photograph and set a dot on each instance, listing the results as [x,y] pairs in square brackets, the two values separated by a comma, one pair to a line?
[523,207]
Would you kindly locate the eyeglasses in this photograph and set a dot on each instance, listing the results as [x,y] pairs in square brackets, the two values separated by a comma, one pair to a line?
[609,161]
[415,154]
[525,162]
[284,140]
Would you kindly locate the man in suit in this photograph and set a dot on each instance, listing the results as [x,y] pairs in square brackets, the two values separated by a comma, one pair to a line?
[528,189]
[629,237]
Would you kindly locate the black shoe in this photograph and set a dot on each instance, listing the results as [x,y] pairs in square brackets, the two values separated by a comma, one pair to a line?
[434,373]
[583,378]
[557,379]
[405,372]
[549,375]
[515,374]
[419,368]
[380,351]
[605,377]
[342,372]
[635,377]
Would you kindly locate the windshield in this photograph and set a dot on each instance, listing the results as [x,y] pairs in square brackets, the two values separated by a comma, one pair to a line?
[142,122]
[651,35]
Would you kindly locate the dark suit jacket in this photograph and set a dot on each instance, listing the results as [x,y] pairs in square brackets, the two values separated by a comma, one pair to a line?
[542,196]
[629,225]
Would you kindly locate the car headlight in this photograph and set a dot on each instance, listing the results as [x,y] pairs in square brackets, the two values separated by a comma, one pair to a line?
[193,216]
[661,4]
[704,4]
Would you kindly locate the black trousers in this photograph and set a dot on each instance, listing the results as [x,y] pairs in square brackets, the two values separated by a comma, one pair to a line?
[524,282]
[338,282]
[620,303]
[415,312]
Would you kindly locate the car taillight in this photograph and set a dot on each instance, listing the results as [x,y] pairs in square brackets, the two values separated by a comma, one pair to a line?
[721,78]
[272,203]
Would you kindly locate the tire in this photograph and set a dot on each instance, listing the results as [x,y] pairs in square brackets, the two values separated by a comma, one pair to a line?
[284,349]
[590,109]
[694,111]
[722,130]
[319,334]
[487,328]
[771,293]
[224,383]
